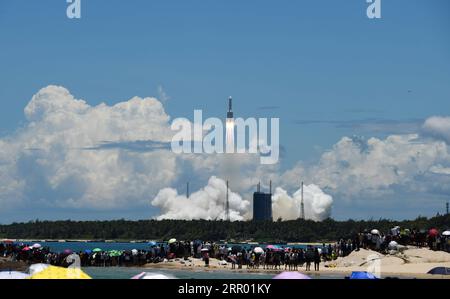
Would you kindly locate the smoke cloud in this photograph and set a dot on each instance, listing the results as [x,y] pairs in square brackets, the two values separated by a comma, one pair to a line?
[317,204]
[207,203]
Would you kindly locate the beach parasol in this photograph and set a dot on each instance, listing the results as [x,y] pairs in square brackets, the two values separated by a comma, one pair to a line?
[375,232]
[171,241]
[97,250]
[149,275]
[53,272]
[258,250]
[446,233]
[13,275]
[433,232]
[291,275]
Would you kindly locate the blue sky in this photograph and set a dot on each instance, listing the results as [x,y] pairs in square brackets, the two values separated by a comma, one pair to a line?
[322,67]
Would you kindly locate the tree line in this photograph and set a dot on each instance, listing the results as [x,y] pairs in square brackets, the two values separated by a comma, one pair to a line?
[266,231]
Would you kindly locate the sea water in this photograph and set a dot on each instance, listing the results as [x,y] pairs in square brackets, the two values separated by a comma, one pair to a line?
[106,246]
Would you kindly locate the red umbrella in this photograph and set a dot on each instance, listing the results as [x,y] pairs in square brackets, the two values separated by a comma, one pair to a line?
[7,241]
[26,248]
[433,232]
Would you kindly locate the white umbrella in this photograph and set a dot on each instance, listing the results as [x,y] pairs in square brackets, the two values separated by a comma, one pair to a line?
[446,233]
[375,232]
[258,250]
[149,275]
[36,268]
[205,249]
[36,246]
[173,240]
[134,251]
[393,245]
[13,275]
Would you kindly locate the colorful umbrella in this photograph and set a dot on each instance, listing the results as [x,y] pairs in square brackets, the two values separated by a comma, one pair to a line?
[68,251]
[433,232]
[291,275]
[115,253]
[362,275]
[440,271]
[52,272]
[26,248]
[97,250]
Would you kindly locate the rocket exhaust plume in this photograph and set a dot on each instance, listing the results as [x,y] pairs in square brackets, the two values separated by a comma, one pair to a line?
[230,128]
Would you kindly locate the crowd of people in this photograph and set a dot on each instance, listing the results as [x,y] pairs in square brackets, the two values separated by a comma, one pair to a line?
[268,257]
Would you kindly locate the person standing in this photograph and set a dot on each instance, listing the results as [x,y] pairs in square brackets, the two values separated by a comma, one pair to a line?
[206,258]
[316,259]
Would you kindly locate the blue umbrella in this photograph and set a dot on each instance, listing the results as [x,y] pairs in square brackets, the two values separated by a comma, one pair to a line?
[362,275]
[440,271]
[87,251]
[152,243]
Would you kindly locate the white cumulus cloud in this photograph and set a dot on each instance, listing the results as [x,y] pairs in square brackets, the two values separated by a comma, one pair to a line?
[53,160]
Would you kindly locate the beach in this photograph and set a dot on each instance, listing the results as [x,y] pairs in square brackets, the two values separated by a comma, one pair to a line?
[411,263]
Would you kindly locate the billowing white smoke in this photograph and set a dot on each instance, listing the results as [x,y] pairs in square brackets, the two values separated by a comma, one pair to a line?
[317,204]
[207,203]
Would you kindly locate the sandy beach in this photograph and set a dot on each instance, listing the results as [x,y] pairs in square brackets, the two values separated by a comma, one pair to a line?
[411,263]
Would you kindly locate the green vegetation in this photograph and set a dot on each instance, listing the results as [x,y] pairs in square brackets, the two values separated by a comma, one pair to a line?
[282,231]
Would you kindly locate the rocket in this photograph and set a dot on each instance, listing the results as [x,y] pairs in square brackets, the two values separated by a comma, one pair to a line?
[230,109]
